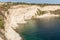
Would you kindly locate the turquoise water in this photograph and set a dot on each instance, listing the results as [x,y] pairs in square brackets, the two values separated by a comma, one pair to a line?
[42,29]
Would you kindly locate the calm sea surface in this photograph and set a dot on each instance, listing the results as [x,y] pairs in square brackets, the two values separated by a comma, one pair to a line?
[42,29]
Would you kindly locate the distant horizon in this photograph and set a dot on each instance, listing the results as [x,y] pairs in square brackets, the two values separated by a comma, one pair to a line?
[34,1]
[29,3]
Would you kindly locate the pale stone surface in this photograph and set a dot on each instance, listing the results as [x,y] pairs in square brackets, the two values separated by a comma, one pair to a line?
[21,13]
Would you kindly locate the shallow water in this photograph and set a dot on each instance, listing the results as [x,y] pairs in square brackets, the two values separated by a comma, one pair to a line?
[41,29]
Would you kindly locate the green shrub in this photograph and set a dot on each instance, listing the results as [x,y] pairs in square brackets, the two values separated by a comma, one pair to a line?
[55,12]
[1,22]
[39,12]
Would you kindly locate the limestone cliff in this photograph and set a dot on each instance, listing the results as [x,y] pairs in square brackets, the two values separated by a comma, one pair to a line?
[21,13]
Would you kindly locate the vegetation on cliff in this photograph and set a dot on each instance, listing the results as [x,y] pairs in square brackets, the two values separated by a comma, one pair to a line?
[55,12]
[39,12]
[38,4]
[1,22]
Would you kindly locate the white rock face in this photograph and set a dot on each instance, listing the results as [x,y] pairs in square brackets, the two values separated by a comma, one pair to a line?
[21,13]
[12,35]
[50,8]
[1,38]
[15,16]
[2,34]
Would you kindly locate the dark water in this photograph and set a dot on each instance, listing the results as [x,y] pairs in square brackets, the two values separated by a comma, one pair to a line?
[42,29]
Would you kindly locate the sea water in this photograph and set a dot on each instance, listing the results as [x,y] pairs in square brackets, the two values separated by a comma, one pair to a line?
[41,29]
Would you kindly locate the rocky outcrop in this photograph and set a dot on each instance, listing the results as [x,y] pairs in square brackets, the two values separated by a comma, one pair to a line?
[2,37]
[21,13]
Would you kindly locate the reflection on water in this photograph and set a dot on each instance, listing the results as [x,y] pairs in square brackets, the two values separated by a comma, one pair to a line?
[41,29]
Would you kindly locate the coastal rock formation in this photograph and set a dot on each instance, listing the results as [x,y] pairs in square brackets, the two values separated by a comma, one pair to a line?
[20,14]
